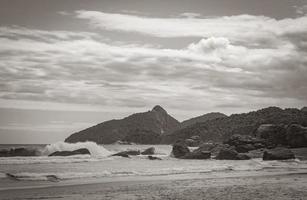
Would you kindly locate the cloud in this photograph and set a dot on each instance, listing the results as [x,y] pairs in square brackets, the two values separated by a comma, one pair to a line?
[247,60]
[238,28]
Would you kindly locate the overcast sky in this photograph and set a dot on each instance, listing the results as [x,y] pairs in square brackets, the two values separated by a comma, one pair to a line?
[68,64]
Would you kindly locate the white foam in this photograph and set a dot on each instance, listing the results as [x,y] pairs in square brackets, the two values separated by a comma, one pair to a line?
[95,150]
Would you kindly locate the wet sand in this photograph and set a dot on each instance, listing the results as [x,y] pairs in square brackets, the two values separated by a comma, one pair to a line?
[264,186]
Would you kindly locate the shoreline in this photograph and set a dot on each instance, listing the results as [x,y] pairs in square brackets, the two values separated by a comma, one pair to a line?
[156,187]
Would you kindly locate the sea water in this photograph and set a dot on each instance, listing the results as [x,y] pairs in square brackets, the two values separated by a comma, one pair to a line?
[100,164]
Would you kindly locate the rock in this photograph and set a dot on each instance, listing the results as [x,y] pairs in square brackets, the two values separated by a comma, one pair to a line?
[274,135]
[127,153]
[242,156]
[180,149]
[193,141]
[198,155]
[149,151]
[278,153]
[245,148]
[217,148]
[236,140]
[296,136]
[207,146]
[122,154]
[18,152]
[227,154]
[81,151]
[154,158]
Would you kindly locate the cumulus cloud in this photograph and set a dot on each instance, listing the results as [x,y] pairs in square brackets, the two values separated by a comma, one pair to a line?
[239,60]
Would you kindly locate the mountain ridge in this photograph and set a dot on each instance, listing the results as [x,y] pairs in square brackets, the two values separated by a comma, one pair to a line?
[220,129]
[202,118]
[146,127]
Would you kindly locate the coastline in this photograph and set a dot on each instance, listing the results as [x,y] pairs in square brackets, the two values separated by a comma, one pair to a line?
[229,185]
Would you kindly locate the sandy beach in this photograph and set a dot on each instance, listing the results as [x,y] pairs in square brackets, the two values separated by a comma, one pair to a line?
[264,185]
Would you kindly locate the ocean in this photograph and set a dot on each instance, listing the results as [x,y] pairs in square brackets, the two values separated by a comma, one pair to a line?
[42,170]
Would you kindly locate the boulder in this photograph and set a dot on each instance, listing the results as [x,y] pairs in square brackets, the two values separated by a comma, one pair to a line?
[180,149]
[154,158]
[193,141]
[227,154]
[122,154]
[127,153]
[207,146]
[237,139]
[243,148]
[278,153]
[296,136]
[273,134]
[149,151]
[18,152]
[217,148]
[242,156]
[81,151]
[197,154]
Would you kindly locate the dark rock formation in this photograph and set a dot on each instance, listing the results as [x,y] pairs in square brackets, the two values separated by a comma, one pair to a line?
[180,149]
[230,154]
[219,130]
[202,118]
[296,136]
[127,153]
[197,154]
[154,158]
[144,128]
[149,151]
[18,152]
[245,143]
[227,154]
[278,153]
[81,151]
[273,134]
[193,141]
[304,109]
[244,148]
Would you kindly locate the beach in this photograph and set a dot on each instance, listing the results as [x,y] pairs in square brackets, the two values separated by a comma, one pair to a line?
[101,176]
[263,185]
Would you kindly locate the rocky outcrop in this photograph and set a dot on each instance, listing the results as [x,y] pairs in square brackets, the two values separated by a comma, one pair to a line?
[278,154]
[273,134]
[230,154]
[245,143]
[197,154]
[193,141]
[143,128]
[154,158]
[14,152]
[296,136]
[180,149]
[128,153]
[81,151]
[149,151]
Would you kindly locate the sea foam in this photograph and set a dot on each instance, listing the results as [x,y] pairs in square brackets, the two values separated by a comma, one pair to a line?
[95,149]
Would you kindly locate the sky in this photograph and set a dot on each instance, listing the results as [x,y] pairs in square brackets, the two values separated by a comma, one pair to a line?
[69,64]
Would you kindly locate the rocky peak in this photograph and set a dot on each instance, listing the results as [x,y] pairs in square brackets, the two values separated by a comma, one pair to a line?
[159,109]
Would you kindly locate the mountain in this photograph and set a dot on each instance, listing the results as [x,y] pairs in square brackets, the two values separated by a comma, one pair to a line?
[304,109]
[221,129]
[202,118]
[144,128]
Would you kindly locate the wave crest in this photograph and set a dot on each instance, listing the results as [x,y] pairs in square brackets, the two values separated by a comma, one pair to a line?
[95,149]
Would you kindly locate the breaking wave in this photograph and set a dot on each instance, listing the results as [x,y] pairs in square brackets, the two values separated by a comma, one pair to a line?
[95,149]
